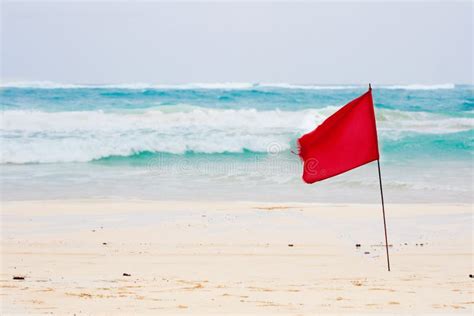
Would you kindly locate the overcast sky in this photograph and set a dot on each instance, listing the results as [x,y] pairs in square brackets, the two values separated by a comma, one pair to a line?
[306,42]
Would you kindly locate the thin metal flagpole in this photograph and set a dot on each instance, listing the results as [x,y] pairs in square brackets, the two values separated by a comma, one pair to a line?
[383,212]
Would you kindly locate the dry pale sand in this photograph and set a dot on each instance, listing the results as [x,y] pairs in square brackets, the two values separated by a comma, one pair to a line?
[233,258]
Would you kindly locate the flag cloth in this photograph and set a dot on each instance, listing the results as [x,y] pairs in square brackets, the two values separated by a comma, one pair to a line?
[344,141]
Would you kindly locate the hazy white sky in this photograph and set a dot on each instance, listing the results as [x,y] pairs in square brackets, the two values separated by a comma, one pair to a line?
[178,42]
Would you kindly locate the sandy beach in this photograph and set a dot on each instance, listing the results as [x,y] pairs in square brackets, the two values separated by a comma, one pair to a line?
[157,257]
[199,157]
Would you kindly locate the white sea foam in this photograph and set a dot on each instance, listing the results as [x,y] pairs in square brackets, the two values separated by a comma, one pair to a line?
[30,136]
[131,86]
[395,123]
[309,86]
[217,85]
[418,86]
[35,136]
[187,86]
[41,85]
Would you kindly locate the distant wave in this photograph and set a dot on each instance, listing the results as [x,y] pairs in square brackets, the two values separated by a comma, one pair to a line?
[308,86]
[43,137]
[220,86]
[42,85]
[187,86]
[132,86]
[420,86]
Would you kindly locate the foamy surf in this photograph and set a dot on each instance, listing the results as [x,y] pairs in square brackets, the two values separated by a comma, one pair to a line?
[419,86]
[147,140]
[217,86]
[131,86]
[82,136]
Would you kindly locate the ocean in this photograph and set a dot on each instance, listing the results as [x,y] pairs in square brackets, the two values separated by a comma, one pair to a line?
[227,141]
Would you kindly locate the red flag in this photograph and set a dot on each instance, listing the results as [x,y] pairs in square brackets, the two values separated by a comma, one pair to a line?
[344,141]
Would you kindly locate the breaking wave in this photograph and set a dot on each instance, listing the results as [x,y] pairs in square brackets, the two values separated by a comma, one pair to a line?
[421,86]
[82,136]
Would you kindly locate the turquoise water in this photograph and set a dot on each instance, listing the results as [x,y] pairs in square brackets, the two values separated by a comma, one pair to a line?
[217,141]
